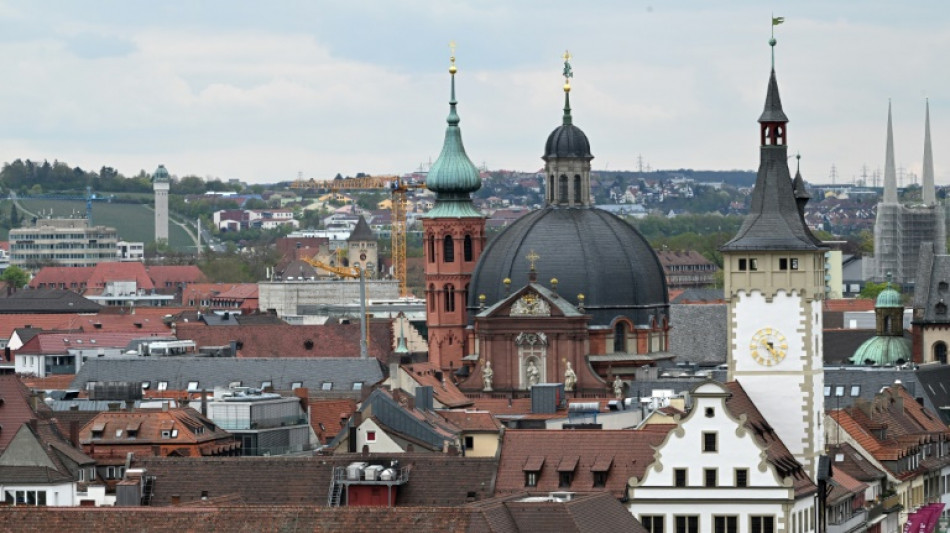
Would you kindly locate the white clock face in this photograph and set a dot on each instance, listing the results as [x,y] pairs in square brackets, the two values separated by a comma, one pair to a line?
[768,347]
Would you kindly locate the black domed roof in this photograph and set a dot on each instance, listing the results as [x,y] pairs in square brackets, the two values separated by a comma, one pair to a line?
[567,140]
[590,252]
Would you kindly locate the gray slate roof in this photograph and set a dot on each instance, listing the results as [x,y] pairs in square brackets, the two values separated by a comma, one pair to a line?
[46,301]
[935,386]
[212,372]
[773,103]
[362,232]
[870,381]
[698,333]
[932,286]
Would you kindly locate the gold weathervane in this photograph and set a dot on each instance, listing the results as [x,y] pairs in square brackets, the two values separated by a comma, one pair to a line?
[452,68]
[568,71]
[532,257]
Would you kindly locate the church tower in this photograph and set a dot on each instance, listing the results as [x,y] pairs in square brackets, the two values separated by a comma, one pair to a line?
[454,233]
[361,248]
[160,185]
[567,157]
[774,284]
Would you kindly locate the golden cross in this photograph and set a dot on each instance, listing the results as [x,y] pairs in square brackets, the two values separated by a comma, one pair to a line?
[452,49]
[567,55]
[532,257]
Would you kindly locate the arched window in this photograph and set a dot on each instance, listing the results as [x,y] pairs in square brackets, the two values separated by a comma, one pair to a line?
[467,247]
[432,297]
[577,190]
[562,189]
[550,192]
[448,249]
[432,248]
[620,337]
[887,324]
[449,295]
[940,352]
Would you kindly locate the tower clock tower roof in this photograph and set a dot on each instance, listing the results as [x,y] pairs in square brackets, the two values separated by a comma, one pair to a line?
[160,174]
[775,221]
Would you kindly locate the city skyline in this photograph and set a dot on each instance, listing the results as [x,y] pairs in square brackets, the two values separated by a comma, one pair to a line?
[234,90]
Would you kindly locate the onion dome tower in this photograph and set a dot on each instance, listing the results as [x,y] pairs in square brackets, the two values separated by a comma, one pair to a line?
[454,232]
[888,346]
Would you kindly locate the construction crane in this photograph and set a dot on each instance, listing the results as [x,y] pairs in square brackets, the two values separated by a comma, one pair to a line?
[398,186]
[350,272]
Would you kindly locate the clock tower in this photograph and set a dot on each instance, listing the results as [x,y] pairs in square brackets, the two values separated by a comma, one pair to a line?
[774,285]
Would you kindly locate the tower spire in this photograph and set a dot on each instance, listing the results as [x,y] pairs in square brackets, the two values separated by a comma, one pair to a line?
[568,74]
[929,195]
[453,176]
[890,173]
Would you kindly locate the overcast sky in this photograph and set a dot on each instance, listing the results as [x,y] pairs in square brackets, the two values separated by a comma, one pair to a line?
[263,90]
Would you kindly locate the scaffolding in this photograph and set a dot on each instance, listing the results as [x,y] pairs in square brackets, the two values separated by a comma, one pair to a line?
[898,233]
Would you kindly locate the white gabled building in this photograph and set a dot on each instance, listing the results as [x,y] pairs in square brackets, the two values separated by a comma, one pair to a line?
[723,468]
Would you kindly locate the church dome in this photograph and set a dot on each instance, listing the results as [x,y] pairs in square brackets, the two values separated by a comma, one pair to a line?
[880,350]
[888,298]
[590,252]
[567,140]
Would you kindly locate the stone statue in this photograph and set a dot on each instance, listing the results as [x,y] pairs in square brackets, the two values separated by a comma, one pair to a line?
[487,375]
[618,388]
[533,374]
[570,378]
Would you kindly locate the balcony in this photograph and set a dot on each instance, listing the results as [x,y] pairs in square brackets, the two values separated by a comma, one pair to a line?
[887,505]
[855,522]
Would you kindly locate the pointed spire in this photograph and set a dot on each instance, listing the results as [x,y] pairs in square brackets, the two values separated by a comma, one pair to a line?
[568,74]
[773,103]
[890,171]
[929,195]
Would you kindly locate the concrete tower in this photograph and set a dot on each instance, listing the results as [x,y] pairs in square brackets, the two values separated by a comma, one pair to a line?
[160,184]
[774,285]
[454,233]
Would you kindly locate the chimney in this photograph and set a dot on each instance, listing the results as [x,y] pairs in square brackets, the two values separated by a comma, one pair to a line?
[114,406]
[234,349]
[303,394]
[424,398]
[204,402]
[74,432]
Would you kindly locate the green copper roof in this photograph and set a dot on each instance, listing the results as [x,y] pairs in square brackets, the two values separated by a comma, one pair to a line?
[453,209]
[453,176]
[401,347]
[160,174]
[888,298]
[882,351]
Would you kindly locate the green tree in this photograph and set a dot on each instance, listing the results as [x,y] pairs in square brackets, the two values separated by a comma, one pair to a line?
[15,276]
[872,290]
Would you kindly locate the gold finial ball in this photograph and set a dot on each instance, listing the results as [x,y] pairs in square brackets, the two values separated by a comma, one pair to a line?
[567,87]
[481,297]
[554,281]
[452,69]
[580,297]
[506,281]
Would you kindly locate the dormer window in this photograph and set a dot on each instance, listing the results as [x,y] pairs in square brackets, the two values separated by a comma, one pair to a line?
[162,385]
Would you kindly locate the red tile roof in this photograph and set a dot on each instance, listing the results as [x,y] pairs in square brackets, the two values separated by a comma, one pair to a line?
[63,277]
[284,340]
[326,416]
[15,408]
[473,421]
[170,276]
[195,435]
[119,271]
[444,391]
[630,452]
[54,382]
[60,343]
[848,304]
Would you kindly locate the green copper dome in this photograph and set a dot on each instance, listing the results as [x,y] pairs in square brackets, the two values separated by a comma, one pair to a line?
[160,174]
[882,351]
[888,298]
[453,176]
